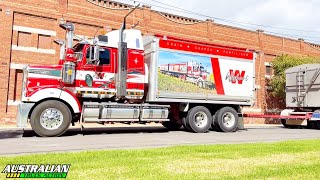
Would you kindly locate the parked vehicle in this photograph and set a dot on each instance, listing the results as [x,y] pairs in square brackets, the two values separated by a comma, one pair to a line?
[117,79]
[302,98]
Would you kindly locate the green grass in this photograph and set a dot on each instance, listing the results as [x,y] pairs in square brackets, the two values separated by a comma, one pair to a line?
[173,84]
[281,160]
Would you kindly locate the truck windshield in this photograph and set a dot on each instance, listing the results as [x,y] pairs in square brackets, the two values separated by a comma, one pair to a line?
[78,51]
[78,47]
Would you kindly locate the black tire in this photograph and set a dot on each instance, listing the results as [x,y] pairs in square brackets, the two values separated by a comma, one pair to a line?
[186,125]
[172,126]
[284,123]
[214,123]
[318,124]
[226,112]
[56,108]
[200,84]
[194,124]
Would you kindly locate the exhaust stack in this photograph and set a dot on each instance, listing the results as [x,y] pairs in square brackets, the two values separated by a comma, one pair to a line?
[121,76]
[69,27]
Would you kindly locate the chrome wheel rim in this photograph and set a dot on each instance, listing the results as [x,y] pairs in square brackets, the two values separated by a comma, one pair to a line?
[228,119]
[51,118]
[201,119]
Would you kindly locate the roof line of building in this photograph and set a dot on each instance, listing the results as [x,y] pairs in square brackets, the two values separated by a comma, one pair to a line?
[189,21]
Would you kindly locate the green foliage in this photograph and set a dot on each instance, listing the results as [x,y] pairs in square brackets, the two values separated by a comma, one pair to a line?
[280,64]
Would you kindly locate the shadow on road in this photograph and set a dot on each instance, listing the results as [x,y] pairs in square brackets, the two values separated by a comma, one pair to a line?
[110,130]
[11,134]
[103,130]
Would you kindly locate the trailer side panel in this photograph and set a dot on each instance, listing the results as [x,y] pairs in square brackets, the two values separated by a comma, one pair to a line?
[199,73]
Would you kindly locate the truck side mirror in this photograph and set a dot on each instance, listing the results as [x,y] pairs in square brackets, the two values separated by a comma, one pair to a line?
[96,53]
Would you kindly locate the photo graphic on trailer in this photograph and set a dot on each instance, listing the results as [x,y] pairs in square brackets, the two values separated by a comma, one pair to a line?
[185,73]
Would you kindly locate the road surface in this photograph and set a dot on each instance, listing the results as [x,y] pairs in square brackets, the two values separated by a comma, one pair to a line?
[141,137]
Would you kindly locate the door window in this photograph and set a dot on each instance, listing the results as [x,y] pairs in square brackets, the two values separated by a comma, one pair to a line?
[104,57]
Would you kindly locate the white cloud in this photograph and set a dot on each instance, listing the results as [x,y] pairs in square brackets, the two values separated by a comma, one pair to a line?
[285,14]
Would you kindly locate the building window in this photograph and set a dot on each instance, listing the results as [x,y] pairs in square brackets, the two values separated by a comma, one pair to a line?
[269,72]
[24,39]
[44,42]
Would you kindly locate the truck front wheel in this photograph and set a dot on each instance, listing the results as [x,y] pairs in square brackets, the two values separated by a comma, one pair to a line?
[199,119]
[50,118]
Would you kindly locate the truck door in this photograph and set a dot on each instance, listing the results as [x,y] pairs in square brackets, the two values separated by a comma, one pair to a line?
[102,72]
[136,71]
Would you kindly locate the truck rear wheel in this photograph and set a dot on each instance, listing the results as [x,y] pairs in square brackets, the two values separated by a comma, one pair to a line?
[199,119]
[226,119]
[50,118]
[185,124]
[214,123]
[173,126]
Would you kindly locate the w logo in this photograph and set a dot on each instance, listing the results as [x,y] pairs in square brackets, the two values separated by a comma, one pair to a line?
[235,76]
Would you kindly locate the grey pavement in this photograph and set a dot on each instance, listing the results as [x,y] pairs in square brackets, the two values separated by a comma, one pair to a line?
[23,142]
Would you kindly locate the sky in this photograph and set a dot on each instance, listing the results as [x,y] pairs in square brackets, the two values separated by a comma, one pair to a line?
[291,18]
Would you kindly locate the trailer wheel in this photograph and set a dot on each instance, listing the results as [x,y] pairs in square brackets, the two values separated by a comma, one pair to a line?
[284,123]
[50,118]
[226,119]
[173,126]
[199,119]
[200,84]
[318,124]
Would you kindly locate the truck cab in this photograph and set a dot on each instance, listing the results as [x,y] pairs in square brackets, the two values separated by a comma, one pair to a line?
[86,72]
[95,78]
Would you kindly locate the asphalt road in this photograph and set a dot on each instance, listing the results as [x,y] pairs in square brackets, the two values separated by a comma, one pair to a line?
[22,142]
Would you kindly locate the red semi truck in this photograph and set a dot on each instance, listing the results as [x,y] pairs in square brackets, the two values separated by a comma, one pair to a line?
[117,78]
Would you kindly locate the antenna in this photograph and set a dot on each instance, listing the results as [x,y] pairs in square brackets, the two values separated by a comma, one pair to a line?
[135,25]
[96,32]
[123,27]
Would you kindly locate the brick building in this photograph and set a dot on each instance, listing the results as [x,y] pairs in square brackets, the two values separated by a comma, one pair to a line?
[29,28]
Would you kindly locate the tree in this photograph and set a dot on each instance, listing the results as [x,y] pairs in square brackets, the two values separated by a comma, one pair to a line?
[280,64]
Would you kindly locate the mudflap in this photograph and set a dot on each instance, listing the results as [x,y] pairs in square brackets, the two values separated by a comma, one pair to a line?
[22,114]
[240,122]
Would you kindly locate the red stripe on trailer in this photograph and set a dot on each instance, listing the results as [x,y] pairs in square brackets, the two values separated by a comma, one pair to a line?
[217,75]
[205,49]
[275,116]
[198,42]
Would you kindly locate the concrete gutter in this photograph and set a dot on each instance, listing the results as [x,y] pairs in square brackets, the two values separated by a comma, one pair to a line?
[15,132]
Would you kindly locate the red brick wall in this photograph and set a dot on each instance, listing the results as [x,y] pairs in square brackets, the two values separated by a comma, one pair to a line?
[43,17]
